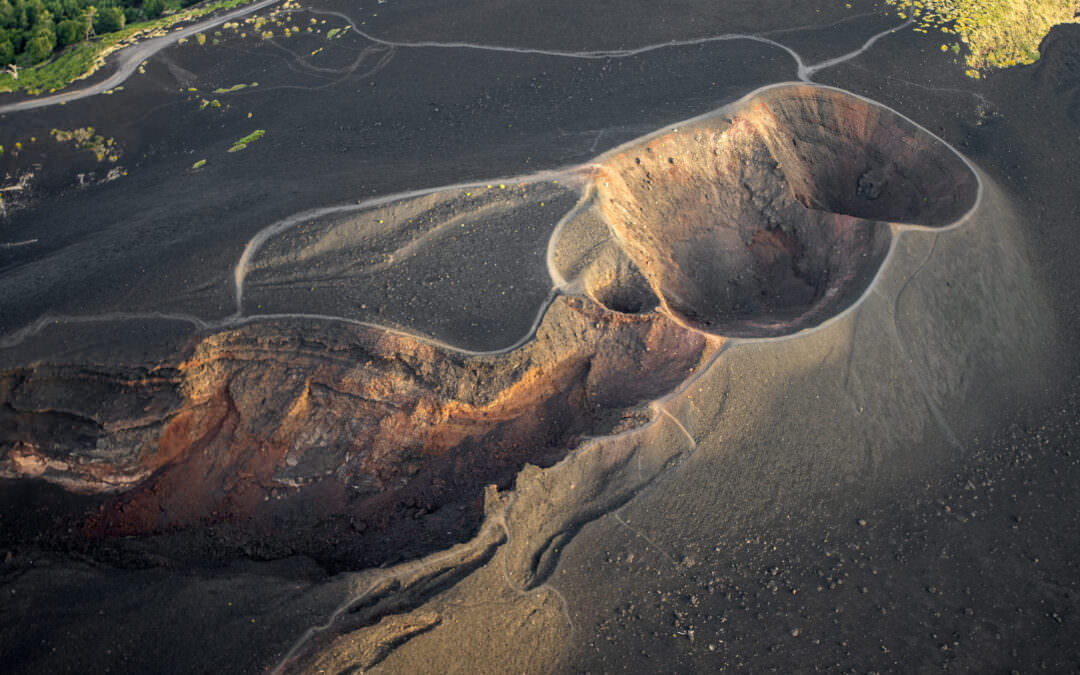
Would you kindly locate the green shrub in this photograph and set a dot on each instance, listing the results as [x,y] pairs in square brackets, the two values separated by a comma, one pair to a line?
[246,140]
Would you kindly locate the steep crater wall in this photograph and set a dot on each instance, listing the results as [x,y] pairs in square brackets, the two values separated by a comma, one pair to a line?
[775,215]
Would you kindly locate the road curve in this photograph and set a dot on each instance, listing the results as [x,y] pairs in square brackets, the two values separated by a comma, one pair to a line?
[131,57]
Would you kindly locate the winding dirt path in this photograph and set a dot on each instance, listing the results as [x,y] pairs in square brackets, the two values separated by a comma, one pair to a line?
[132,57]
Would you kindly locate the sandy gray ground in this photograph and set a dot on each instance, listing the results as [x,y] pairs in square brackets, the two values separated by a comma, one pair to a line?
[780,546]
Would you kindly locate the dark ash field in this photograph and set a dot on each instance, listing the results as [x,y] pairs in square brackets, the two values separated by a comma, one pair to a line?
[544,337]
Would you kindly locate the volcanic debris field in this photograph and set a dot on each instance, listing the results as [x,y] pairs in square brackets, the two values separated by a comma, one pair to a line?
[337,338]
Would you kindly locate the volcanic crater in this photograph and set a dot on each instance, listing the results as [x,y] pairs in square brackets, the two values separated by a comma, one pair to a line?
[776,215]
[359,445]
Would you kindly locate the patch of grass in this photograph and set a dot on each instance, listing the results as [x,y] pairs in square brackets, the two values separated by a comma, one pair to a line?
[235,87]
[83,59]
[997,33]
[199,164]
[246,140]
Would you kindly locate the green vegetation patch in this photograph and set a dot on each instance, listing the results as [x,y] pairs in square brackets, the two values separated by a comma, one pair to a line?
[51,51]
[235,87]
[247,140]
[84,138]
[199,164]
[997,33]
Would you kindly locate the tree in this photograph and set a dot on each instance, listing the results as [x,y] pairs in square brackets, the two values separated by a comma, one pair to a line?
[153,8]
[70,31]
[39,48]
[7,52]
[108,20]
[7,14]
[47,31]
[91,12]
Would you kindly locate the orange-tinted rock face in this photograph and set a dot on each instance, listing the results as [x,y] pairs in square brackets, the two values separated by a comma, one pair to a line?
[349,446]
[775,218]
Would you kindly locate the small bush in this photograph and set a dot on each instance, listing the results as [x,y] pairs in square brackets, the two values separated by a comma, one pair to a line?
[247,140]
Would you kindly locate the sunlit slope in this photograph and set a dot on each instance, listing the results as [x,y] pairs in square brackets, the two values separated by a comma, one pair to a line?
[997,33]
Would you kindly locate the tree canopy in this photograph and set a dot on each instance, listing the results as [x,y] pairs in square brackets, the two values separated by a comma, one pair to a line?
[31,30]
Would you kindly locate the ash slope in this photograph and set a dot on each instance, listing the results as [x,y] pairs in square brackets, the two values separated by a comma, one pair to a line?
[880,395]
[992,345]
